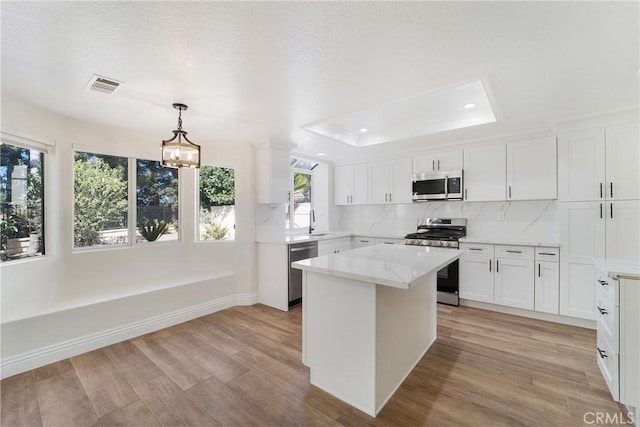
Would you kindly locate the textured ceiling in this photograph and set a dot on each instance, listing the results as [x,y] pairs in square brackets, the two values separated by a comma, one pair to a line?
[260,70]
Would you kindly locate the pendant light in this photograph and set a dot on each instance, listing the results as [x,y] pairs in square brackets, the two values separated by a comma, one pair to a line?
[180,154]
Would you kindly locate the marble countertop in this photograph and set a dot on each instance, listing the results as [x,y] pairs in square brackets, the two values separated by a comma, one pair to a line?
[392,265]
[325,235]
[515,242]
[620,269]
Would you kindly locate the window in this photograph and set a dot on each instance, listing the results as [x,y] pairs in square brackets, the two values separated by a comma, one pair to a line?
[156,202]
[300,200]
[217,215]
[21,202]
[100,215]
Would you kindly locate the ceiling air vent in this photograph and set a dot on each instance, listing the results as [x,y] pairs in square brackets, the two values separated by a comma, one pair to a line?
[103,84]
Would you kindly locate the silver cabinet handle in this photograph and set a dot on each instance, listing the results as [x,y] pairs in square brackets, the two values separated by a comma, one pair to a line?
[514,252]
[433,165]
[611,187]
[465,194]
[509,191]
[438,164]
[601,190]
[385,196]
[475,249]
[390,196]
[547,253]
[489,265]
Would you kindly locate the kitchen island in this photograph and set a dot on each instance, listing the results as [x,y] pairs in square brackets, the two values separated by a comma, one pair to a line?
[368,317]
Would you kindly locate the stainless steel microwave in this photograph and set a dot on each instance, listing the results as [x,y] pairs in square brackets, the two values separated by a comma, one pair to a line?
[437,186]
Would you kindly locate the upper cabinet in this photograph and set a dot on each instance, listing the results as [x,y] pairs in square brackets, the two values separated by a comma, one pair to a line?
[390,181]
[531,169]
[437,162]
[272,174]
[599,164]
[485,173]
[350,184]
[622,162]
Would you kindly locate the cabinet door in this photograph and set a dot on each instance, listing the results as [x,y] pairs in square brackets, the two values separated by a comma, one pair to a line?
[531,170]
[425,163]
[449,161]
[379,182]
[476,273]
[343,185]
[485,173]
[400,185]
[514,283]
[581,165]
[622,168]
[359,194]
[623,231]
[582,239]
[272,175]
[547,287]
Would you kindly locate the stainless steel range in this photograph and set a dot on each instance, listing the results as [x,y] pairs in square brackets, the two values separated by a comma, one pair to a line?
[444,233]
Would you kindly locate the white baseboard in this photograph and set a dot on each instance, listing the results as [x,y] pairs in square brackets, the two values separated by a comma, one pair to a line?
[63,350]
[556,318]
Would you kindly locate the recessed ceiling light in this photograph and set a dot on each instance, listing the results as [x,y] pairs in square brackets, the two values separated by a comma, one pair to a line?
[320,154]
[363,130]
[468,106]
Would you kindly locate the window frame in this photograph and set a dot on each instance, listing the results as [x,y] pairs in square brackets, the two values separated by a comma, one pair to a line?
[196,223]
[43,148]
[291,203]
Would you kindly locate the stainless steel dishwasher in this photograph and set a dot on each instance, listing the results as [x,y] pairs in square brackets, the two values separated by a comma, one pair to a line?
[297,252]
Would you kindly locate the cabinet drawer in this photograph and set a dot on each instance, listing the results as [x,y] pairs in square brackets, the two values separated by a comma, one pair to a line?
[608,362]
[608,288]
[547,254]
[477,249]
[608,320]
[514,252]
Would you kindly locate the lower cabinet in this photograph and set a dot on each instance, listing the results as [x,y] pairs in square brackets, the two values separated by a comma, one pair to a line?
[476,272]
[618,338]
[514,276]
[333,246]
[514,279]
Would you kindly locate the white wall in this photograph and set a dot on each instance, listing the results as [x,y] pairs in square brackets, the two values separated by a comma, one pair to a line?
[63,282]
[523,220]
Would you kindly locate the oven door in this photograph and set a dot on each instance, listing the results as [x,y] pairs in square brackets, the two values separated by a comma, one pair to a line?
[448,284]
[434,188]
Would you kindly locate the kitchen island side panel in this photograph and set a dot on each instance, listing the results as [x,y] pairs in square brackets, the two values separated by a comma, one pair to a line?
[339,321]
[405,329]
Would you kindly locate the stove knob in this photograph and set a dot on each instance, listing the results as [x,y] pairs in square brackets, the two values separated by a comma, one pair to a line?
[424,243]
[445,244]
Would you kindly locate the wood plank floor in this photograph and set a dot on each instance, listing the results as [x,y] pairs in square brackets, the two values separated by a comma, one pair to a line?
[241,367]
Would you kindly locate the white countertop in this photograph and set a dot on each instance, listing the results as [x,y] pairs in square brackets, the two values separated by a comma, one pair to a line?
[391,265]
[515,242]
[621,269]
[326,235]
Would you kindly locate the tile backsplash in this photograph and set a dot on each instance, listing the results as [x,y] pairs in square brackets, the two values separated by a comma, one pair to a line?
[515,220]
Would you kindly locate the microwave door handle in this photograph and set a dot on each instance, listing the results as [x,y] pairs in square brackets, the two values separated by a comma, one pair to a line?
[446,187]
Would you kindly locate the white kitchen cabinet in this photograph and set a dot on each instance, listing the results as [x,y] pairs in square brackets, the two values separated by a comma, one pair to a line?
[390,181]
[547,280]
[581,173]
[514,277]
[531,169]
[622,230]
[438,162]
[622,162]
[333,246]
[361,241]
[582,239]
[388,241]
[599,164]
[476,272]
[273,275]
[485,173]
[350,184]
[272,175]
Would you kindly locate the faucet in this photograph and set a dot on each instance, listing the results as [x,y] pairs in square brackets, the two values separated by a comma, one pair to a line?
[312,220]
